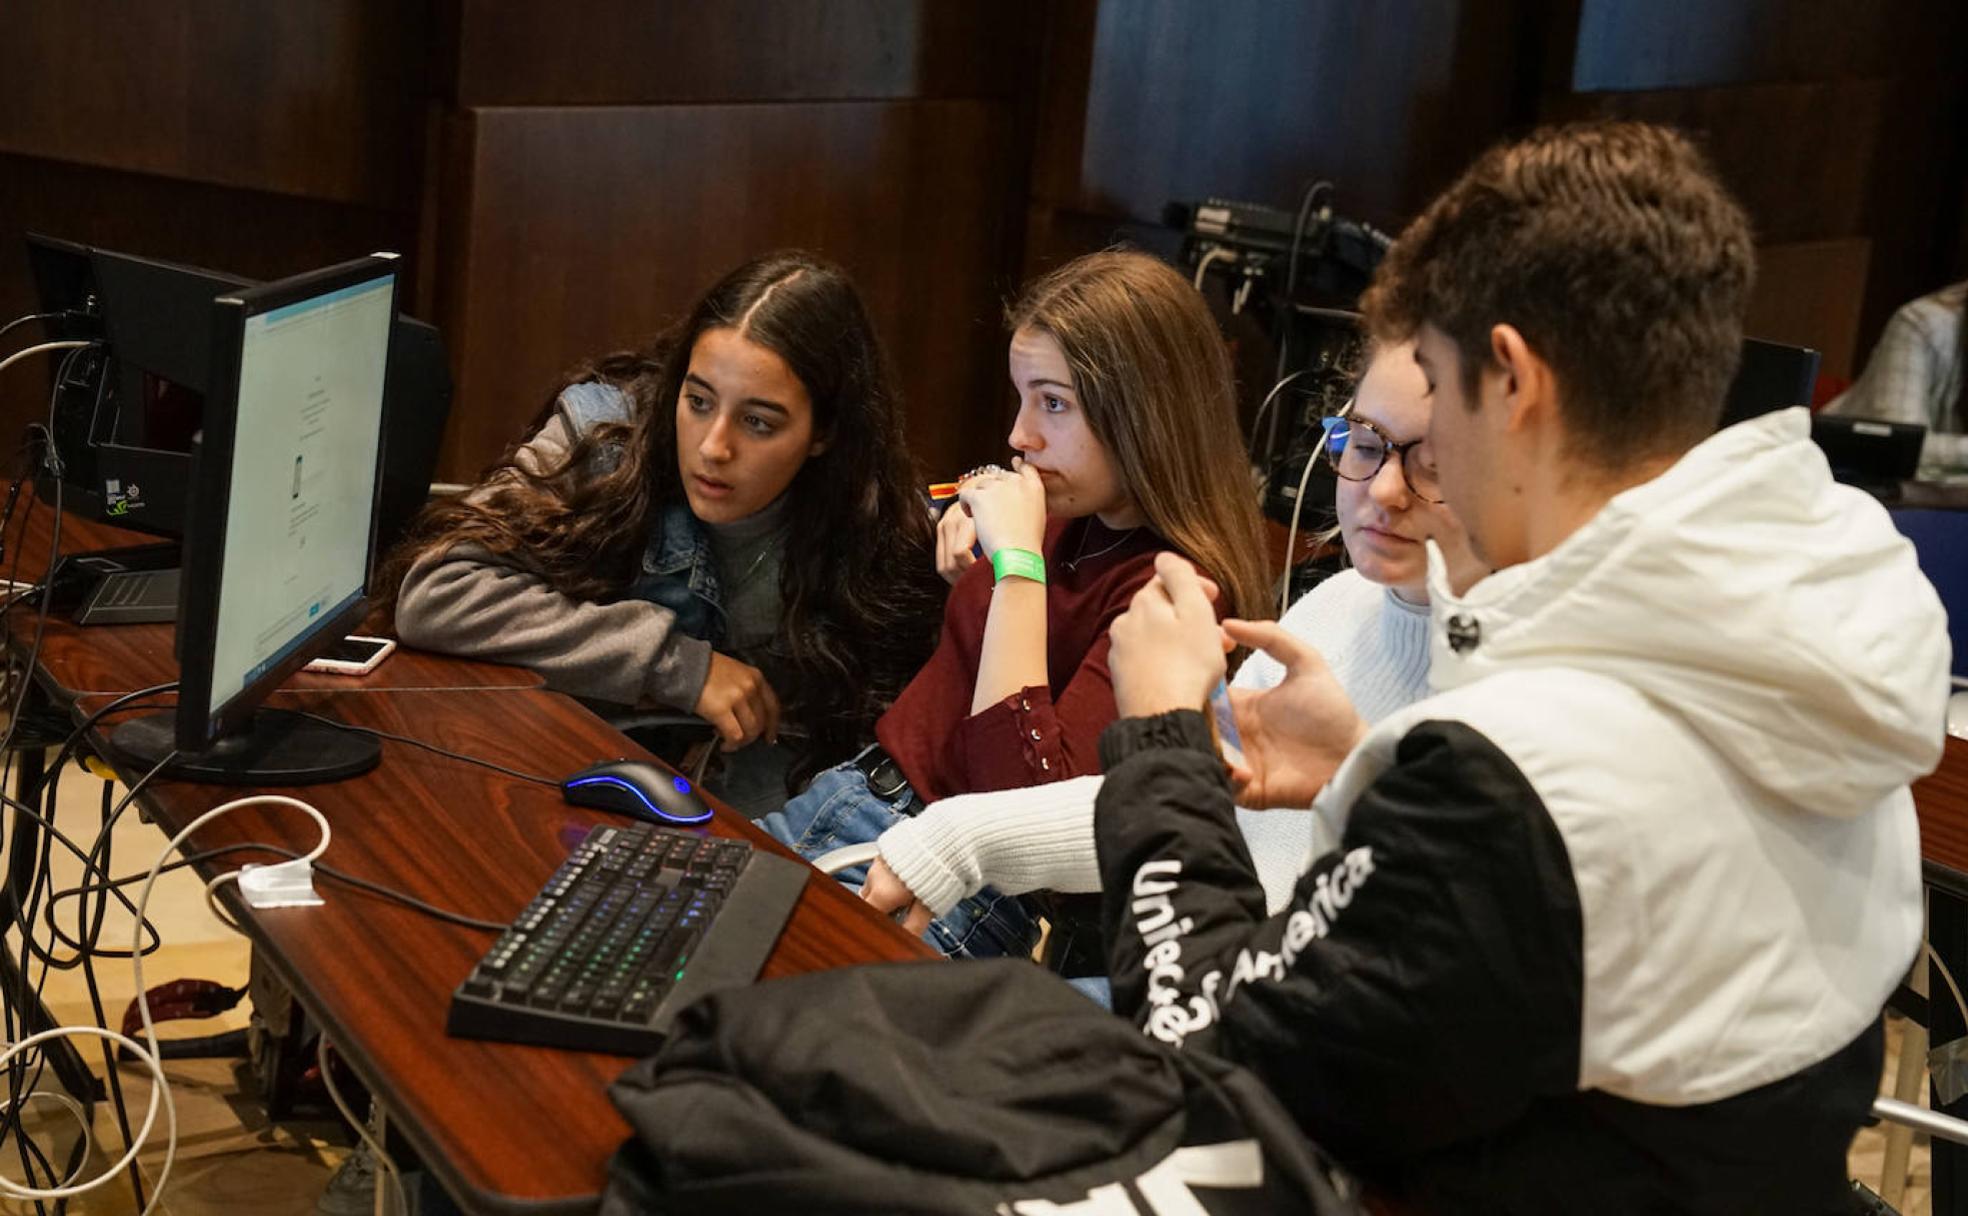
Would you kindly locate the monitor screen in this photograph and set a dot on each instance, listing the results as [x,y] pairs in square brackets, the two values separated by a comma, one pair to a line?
[285,479]
[302,492]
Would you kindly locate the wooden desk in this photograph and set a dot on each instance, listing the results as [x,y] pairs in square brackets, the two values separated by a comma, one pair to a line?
[1941,802]
[379,976]
[505,1128]
[77,660]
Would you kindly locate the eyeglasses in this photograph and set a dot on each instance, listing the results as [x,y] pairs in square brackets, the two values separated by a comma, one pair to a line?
[1356,448]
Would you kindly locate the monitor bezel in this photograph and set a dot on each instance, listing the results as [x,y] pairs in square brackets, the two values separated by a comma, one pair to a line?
[207,517]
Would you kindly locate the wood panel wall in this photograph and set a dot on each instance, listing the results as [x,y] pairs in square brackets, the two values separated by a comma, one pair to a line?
[597,174]
[584,230]
[259,139]
[1152,101]
[564,177]
[1838,126]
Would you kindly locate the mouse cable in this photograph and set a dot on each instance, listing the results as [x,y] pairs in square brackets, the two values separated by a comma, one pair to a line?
[430,747]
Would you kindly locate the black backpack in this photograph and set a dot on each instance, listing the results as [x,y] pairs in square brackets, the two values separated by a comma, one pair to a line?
[986,1088]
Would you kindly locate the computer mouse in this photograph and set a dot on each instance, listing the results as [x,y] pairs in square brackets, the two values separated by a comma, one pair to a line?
[639,788]
[1957,715]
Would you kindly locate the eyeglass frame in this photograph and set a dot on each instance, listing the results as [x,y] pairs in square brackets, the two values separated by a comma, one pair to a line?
[1345,418]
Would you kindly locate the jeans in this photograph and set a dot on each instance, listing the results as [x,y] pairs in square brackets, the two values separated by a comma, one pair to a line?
[839,809]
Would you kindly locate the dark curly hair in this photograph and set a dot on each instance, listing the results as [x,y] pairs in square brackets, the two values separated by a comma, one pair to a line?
[861,600]
[1615,252]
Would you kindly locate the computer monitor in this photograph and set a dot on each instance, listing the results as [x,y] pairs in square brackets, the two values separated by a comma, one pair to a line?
[1771,376]
[1872,453]
[281,531]
[125,412]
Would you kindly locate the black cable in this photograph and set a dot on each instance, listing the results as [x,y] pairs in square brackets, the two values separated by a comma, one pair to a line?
[50,780]
[429,747]
[1312,191]
[92,932]
[52,462]
[410,901]
[48,788]
[322,868]
[13,1123]
[32,949]
[15,1079]
[45,792]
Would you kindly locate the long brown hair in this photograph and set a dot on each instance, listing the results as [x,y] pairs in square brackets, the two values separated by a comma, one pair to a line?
[860,598]
[1152,373]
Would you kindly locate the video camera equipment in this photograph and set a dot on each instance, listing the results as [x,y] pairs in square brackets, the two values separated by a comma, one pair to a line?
[1299,275]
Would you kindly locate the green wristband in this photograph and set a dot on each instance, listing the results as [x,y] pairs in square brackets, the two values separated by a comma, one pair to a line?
[1018,563]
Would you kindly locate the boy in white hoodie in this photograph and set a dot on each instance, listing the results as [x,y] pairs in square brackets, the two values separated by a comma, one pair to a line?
[1614,914]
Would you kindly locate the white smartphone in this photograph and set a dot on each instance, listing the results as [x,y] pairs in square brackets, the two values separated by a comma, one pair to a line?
[354,655]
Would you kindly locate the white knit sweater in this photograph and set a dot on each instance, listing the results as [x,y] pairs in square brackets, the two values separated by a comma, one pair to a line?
[1041,838]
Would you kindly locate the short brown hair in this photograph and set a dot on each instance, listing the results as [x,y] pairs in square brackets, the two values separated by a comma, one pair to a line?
[1615,252]
[1153,374]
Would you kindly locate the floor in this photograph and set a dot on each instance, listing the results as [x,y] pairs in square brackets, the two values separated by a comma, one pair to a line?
[230,1160]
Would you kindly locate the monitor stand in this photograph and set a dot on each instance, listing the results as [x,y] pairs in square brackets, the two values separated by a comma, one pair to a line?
[276,747]
[133,585]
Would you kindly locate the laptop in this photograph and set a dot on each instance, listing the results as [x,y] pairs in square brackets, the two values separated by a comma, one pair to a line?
[1871,453]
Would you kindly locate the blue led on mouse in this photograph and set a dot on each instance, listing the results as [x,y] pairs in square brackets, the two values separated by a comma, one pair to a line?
[639,788]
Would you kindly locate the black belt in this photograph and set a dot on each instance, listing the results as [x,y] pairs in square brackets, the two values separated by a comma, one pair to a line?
[886,779]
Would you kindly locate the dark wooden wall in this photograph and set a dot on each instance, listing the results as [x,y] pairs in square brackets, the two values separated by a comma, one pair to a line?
[252,138]
[1837,124]
[564,178]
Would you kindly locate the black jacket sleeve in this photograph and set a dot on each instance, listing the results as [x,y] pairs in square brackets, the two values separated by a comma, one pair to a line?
[1423,987]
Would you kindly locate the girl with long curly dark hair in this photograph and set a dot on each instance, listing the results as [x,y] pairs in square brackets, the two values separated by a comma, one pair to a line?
[725,523]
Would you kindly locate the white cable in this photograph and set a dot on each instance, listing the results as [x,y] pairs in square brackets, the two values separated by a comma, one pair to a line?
[81,1119]
[15,1190]
[1959,1004]
[361,1129]
[25,351]
[1291,533]
[148,1050]
[212,900]
[1243,295]
[1257,421]
[1209,259]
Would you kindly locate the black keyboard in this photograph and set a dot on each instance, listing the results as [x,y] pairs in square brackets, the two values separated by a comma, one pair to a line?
[637,923]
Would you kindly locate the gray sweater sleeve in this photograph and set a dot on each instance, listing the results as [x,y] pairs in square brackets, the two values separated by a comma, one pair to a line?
[468,601]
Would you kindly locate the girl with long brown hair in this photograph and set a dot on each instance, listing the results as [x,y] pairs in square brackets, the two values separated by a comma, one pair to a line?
[1128,445]
[724,523]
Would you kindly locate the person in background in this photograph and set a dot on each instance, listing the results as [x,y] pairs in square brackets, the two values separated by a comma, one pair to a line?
[1916,374]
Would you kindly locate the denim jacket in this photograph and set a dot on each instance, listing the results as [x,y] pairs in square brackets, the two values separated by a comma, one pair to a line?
[678,569]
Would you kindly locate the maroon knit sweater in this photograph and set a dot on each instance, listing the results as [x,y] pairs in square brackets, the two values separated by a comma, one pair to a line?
[1047,732]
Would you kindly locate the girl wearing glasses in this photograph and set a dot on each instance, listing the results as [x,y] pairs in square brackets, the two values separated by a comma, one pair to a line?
[1370,622]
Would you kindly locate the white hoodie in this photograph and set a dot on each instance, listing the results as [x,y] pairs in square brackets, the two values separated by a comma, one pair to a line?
[1739,660]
